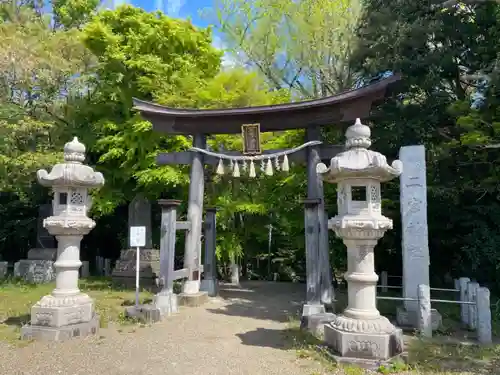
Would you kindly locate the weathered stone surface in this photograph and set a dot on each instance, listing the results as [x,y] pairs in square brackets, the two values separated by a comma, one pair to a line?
[472,288]
[424,311]
[66,312]
[17,272]
[139,215]
[409,319]
[360,331]
[149,268]
[36,271]
[364,345]
[308,310]
[47,333]
[60,315]
[193,300]
[167,302]
[85,269]
[316,323]
[42,254]
[4,266]
[484,335]
[211,286]
[415,242]
[145,313]
[464,309]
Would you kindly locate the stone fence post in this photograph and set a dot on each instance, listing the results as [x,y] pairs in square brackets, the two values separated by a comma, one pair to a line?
[384,281]
[166,300]
[483,316]
[472,288]
[464,309]
[209,282]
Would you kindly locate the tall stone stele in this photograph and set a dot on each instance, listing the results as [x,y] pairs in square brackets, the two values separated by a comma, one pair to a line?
[67,312]
[361,331]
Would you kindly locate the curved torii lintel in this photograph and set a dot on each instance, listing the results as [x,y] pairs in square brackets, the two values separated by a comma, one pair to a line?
[344,107]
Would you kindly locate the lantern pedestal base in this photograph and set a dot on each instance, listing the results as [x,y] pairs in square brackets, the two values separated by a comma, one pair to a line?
[47,333]
[61,317]
[364,338]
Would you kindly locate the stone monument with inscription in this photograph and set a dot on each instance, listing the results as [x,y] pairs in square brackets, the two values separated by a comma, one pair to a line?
[415,243]
[39,267]
[360,331]
[67,312]
[139,215]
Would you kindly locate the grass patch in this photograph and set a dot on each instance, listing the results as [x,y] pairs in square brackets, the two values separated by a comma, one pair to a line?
[424,357]
[448,353]
[17,297]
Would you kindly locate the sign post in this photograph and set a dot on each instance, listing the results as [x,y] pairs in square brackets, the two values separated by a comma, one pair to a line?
[137,240]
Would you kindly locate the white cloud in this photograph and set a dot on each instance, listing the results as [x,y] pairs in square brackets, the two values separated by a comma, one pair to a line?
[228,60]
[173,7]
[117,3]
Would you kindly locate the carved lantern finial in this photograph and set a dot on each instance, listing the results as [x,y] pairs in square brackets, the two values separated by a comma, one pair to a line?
[74,151]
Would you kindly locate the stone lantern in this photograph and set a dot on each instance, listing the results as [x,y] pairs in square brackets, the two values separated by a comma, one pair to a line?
[67,312]
[361,331]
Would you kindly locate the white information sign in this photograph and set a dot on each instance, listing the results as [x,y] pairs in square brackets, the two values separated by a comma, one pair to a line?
[137,236]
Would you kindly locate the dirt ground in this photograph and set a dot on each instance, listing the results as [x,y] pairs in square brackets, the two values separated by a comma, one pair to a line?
[241,332]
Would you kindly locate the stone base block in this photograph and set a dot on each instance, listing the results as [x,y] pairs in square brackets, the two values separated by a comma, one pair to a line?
[42,254]
[308,310]
[364,345]
[365,363]
[149,269]
[316,323]
[36,271]
[193,300]
[211,286]
[60,316]
[409,319]
[46,333]
[144,313]
[167,302]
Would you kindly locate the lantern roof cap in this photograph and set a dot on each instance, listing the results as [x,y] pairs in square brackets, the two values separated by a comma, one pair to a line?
[71,173]
[357,162]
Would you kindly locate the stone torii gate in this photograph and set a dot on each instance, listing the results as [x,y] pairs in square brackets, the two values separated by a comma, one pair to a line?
[250,121]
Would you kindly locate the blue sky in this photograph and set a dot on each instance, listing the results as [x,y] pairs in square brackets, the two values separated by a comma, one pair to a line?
[176,8]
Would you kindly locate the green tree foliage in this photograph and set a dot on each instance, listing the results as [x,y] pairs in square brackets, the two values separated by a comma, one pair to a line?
[448,101]
[143,55]
[304,46]
[73,13]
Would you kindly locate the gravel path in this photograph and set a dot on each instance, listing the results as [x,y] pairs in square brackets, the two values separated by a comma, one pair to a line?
[239,333]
